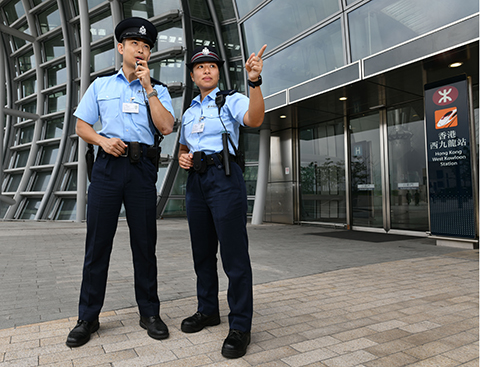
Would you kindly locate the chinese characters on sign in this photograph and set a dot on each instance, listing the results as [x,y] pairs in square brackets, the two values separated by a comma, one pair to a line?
[449,158]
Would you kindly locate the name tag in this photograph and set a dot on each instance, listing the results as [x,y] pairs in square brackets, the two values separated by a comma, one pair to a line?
[130,108]
[198,127]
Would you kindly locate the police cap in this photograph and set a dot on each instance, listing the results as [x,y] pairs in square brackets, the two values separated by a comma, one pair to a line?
[136,27]
[205,54]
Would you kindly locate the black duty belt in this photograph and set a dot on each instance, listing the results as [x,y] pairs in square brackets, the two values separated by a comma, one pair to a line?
[135,150]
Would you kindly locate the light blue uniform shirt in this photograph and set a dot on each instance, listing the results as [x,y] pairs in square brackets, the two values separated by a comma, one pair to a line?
[105,98]
[201,127]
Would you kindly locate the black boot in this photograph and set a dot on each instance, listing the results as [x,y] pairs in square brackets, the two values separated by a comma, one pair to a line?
[198,321]
[80,334]
[235,346]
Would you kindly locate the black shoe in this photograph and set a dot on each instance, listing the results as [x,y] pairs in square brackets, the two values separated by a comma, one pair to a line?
[80,334]
[198,321]
[156,328]
[235,346]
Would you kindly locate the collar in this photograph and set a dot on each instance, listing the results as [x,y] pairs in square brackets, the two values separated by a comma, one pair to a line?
[210,96]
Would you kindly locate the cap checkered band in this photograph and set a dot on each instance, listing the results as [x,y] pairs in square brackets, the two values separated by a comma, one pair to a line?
[203,53]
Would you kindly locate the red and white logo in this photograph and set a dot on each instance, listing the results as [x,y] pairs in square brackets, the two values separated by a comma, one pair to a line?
[445,95]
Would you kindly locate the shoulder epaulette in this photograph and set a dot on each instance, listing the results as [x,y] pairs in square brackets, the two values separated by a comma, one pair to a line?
[157,82]
[107,73]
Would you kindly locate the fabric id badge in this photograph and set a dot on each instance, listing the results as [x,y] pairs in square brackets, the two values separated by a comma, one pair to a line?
[198,127]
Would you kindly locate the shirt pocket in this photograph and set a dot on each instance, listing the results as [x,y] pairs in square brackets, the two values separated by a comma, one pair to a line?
[109,105]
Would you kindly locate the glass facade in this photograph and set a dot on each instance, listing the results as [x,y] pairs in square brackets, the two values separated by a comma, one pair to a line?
[357,162]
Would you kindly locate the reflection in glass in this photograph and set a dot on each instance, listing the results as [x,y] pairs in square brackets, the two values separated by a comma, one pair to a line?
[322,173]
[53,128]
[101,26]
[57,74]
[72,181]
[29,107]
[56,101]
[224,10]
[250,176]
[28,87]
[407,163]
[54,48]
[148,8]
[30,208]
[41,181]
[310,57]
[381,24]
[26,62]
[26,134]
[19,42]
[67,210]
[231,40]
[20,159]
[282,20]
[175,208]
[203,35]
[366,171]
[13,181]
[198,9]
[102,58]
[49,19]
[244,6]
[13,11]
[94,3]
[169,35]
[170,70]
[236,70]
[49,154]
[179,186]
[249,143]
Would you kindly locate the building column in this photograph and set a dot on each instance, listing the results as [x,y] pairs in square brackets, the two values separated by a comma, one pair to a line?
[262,176]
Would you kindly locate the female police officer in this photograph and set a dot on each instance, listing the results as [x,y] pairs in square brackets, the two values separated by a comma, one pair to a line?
[217,202]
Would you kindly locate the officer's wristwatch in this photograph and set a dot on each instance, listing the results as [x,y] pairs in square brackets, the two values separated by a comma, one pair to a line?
[255,84]
[152,93]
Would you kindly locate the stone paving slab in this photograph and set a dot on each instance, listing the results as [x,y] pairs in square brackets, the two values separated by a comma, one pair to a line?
[412,312]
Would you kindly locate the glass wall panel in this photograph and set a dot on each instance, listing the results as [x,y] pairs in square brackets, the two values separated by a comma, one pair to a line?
[322,173]
[282,20]
[41,180]
[101,26]
[53,128]
[102,58]
[407,164]
[67,210]
[381,24]
[48,155]
[231,40]
[28,87]
[310,57]
[30,209]
[175,208]
[203,35]
[49,19]
[13,11]
[56,102]
[224,10]
[366,174]
[26,62]
[148,8]
[199,9]
[168,71]
[13,181]
[56,75]
[244,6]
[72,181]
[29,107]
[94,3]
[237,74]
[20,159]
[54,48]
[26,134]
[250,176]
[19,42]
[169,35]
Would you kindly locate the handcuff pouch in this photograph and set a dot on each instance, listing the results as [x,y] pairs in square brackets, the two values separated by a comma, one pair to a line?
[199,162]
[134,151]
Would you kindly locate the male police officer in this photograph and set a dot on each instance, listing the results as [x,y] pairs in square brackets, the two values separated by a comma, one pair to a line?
[123,173]
[216,201]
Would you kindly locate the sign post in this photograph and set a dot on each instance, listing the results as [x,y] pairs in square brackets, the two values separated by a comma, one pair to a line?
[450,153]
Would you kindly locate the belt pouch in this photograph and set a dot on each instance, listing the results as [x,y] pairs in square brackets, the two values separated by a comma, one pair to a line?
[199,162]
[134,152]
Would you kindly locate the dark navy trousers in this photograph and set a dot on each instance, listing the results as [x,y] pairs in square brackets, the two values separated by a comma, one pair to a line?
[217,213]
[116,181]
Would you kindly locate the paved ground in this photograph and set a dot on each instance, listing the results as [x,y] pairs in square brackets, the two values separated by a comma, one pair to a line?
[322,298]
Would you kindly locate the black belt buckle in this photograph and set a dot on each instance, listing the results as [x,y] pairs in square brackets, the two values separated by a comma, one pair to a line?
[199,162]
[135,151]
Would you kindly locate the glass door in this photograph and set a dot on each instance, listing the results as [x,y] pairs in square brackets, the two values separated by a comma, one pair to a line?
[366,172]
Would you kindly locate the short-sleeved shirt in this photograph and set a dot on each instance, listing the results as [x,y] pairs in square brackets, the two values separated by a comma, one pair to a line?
[201,126]
[108,97]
